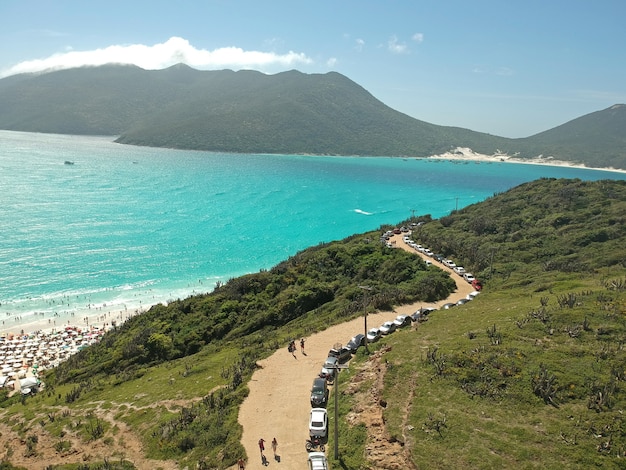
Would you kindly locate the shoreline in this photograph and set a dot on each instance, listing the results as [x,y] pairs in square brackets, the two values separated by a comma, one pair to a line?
[102,320]
[468,155]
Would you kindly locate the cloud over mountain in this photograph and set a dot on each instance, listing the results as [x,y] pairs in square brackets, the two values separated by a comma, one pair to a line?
[158,56]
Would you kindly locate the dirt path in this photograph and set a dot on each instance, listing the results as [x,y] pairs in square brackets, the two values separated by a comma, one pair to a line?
[278,404]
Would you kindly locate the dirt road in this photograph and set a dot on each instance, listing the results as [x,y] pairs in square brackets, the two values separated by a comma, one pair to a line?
[278,405]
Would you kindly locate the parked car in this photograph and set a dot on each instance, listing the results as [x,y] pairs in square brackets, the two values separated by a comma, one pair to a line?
[373,335]
[462,301]
[422,313]
[460,270]
[317,461]
[356,342]
[469,277]
[448,305]
[318,422]
[387,327]
[328,371]
[472,295]
[319,392]
[343,354]
[402,320]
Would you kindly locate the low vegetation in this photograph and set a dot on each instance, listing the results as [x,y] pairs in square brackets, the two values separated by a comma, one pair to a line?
[530,374]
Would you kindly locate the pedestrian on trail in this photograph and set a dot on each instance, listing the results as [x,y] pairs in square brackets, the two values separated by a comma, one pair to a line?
[302,345]
[242,464]
[274,446]
[262,444]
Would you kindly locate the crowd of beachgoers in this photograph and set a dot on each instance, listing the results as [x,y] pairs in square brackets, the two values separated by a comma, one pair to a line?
[24,356]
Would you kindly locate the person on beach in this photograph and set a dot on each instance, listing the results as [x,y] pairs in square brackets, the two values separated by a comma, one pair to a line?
[302,345]
[241,464]
[262,444]
[274,446]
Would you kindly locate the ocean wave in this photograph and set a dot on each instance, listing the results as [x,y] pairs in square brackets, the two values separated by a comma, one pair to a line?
[359,211]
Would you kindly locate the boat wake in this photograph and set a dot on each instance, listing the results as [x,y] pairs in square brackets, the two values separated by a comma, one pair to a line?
[359,211]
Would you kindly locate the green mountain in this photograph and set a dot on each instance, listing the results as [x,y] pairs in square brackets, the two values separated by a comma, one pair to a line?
[290,112]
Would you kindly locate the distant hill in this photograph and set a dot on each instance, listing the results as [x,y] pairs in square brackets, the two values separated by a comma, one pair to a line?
[596,139]
[290,112]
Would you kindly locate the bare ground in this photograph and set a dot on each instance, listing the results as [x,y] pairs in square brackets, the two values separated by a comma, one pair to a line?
[278,404]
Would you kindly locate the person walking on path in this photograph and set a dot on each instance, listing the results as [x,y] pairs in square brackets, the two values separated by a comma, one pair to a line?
[274,446]
[302,345]
[262,445]
[241,464]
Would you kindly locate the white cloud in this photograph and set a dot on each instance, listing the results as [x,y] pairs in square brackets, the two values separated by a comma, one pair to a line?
[332,62]
[418,37]
[359,44]
[174,50]
[505,71]
[396,47]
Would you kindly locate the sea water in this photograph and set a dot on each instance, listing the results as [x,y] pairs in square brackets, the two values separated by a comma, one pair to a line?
[89,226]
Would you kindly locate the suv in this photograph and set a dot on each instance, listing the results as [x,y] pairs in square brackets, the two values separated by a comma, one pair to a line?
[342,354]
[319,392]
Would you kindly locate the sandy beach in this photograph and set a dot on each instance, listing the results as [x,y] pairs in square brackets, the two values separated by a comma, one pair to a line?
[468,155]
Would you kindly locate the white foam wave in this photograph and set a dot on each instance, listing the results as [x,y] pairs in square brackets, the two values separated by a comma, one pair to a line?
[359,211]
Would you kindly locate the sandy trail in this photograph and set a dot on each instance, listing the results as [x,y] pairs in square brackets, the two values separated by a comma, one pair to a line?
[278,405]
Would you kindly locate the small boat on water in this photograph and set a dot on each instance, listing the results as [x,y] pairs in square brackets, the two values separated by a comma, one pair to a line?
[68,162]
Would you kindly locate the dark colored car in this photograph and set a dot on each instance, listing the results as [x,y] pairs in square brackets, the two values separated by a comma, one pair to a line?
[356,342]
[319,392]
[421,315]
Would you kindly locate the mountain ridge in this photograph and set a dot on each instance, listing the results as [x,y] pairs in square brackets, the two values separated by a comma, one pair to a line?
[290,112]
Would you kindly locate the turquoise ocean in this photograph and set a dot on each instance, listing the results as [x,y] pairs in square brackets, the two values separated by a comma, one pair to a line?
[124,227]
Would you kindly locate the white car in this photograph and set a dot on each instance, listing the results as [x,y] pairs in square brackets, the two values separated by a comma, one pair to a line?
[469,277]
[318,422]
[317,461]
[373,335]
[387,327]
[402,320]
[460,270]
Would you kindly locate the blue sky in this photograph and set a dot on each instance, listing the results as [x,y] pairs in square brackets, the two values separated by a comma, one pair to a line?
[509,68]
